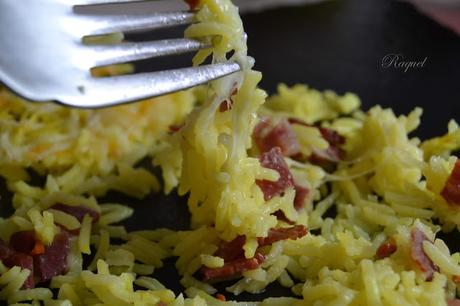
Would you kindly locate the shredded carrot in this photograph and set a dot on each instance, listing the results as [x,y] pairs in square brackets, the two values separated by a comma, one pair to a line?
[38,249]
[456,279]
[220,297]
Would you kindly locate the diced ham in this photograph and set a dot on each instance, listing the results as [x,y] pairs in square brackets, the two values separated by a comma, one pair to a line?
[78,212]
[233,254]
[275,142]
[293,120]
[456,279]
[193,4]
[333,153]
[325,158]
[231,250]
[173,128]
[225,106]
[54,261]
[331,136]
[25,262]
[301,193]
[386,248]
[262,128]
[268,135]
[278,234]
[451,190]
[418,255]
[74,232]
[233,268]
[228,104]
[28,252]
[234,249]
[273,159]
[279,214]
[23,241]
[453,302]
[11,258]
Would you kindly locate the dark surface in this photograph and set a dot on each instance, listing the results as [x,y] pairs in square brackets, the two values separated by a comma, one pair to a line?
[340,45]
[336,45]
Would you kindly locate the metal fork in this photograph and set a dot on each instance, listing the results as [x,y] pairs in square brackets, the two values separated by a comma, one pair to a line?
[42,56]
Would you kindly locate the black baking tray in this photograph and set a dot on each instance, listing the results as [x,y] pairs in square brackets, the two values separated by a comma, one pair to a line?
[335,45]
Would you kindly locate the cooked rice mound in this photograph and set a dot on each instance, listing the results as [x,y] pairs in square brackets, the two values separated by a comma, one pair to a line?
[302,188]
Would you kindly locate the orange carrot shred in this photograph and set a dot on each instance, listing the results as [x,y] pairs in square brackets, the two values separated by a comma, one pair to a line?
[220,297]
[38,249]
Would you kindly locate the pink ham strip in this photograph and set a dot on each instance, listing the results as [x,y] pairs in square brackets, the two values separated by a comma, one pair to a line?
[273,159]
[268,136]
[418,255]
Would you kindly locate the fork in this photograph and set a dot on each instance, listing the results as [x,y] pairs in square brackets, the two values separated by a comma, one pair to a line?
[42,57]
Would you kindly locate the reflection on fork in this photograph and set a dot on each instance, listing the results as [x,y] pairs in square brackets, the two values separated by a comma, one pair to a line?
[43,58]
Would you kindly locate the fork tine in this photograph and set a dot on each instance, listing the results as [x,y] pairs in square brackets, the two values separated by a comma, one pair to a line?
[98,25]
[126,52]
[121,89]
